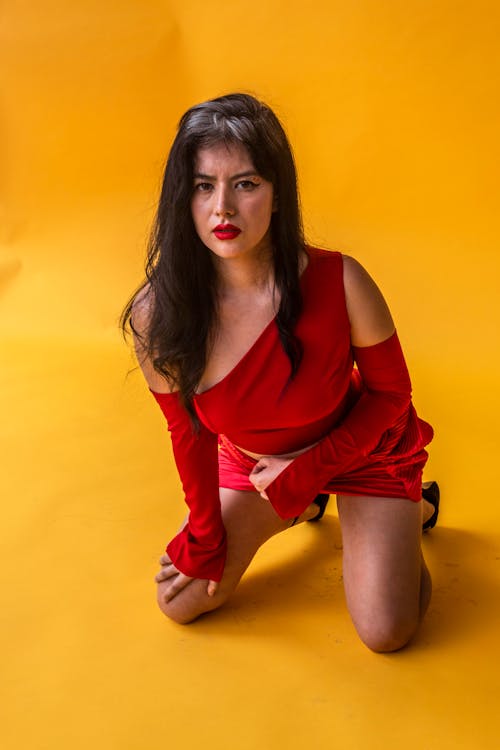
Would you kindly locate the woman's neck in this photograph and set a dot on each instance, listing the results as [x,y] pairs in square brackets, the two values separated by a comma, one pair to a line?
[240,275]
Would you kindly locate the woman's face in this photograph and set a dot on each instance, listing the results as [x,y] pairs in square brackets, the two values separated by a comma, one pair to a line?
[231,204]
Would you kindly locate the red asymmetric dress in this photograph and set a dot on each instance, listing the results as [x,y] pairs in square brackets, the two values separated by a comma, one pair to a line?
[351,404]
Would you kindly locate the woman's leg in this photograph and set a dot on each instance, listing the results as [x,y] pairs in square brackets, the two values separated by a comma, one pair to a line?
[250,521]
[386,581]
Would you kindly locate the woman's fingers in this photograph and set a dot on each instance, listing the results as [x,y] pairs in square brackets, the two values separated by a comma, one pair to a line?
[171,577]
[176,581]
[174,585]
[212,587]
[166,572]
[168,569]
[260,485]
[265,472]
[257,475]
[261,464]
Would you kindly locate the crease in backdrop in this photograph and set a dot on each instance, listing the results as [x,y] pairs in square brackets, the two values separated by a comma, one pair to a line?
[393,115]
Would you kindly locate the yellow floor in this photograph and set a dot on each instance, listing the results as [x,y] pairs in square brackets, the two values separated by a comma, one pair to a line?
[88,660]
[395,127]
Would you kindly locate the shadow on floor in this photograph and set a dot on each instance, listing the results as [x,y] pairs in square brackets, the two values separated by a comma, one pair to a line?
[285,582]
[465,568]
[464,565]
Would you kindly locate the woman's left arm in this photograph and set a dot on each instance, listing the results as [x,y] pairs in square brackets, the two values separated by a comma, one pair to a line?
[292,486]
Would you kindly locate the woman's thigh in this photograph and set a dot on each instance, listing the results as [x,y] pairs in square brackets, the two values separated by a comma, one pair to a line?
[249,521]
[383,568]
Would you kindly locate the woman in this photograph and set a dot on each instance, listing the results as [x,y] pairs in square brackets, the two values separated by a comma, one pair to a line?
[247,339]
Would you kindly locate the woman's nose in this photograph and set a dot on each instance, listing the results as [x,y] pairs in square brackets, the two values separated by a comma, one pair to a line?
[223,203]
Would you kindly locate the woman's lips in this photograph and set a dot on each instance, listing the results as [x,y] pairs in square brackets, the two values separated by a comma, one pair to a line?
[226,232]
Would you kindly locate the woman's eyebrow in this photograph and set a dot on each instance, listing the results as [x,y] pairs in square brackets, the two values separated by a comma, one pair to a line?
[201,176]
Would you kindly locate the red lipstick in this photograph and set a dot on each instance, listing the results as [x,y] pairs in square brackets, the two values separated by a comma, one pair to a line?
[226,231]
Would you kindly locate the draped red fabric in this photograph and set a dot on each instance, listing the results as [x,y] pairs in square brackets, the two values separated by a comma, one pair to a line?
[369,440]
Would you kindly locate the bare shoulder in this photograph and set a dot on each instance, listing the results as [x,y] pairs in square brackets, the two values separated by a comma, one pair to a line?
[142,308]
[357,280]
[141,311]
[369,315]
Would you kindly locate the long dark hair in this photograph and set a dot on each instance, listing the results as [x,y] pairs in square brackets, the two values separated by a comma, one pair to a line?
[180,276]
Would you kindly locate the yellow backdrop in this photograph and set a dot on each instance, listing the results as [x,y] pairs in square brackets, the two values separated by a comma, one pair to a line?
[394,117]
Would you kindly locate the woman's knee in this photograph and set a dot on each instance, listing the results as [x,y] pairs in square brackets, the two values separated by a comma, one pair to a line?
[386,634]
[188,605]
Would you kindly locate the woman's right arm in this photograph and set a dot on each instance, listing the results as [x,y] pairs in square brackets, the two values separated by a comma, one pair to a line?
[140,316]
[199,549]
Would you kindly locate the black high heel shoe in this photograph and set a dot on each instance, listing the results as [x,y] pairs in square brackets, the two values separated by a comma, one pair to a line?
[430,492]
[321,501]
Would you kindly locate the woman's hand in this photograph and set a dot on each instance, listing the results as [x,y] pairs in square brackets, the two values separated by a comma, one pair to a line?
[177,580]
[266,470]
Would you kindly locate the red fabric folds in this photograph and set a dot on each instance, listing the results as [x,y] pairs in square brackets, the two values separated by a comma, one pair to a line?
[368,438]
[373,428]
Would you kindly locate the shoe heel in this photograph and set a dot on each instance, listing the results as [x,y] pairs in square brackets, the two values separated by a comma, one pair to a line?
[321,501]
[432,494]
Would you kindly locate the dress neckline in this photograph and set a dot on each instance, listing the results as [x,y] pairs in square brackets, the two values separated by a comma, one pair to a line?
[262,335]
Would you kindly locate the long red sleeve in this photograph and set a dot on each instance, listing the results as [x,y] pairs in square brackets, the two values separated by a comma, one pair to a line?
[199,550]
[385,399]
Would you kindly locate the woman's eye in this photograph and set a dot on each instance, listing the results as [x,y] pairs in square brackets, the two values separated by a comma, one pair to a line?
[247,185]
[203,187]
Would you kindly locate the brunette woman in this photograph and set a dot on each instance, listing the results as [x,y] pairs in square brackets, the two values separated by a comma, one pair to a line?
[279,371]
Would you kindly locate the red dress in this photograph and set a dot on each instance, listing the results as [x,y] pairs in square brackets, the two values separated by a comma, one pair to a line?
[369,440]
